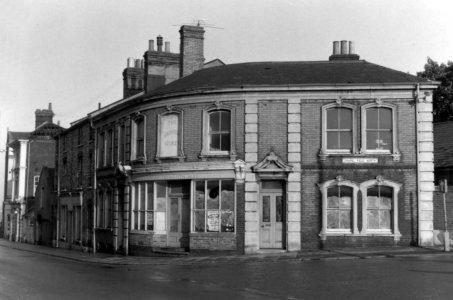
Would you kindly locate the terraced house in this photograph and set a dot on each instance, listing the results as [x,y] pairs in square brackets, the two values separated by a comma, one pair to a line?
[262,156]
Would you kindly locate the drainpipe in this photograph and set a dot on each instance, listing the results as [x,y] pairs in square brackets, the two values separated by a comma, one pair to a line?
[95,194]
[417,139]
[57,244]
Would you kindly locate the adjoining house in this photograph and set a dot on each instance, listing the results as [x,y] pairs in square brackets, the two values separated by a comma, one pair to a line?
[30,152]
[253,157]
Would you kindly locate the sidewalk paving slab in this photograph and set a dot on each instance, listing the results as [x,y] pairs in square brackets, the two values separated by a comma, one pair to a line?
[325,254]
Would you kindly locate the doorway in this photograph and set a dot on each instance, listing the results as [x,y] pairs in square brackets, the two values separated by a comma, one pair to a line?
[272,215]
[178,211]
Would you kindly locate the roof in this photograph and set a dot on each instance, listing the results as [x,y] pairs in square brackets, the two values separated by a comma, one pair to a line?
[47,129]
[288,73]
[443,144]
[17,135]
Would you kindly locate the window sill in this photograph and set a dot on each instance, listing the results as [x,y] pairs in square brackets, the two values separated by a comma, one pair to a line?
[218,154]
[142,232]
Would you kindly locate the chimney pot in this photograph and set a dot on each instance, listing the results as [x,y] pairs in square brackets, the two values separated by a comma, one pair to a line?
[137,64]
[344,47]
[130,62]
[351,47]
[167,46]
[159,43]
[336,48]
[142,64]
[99,105]
[151,45]
[50,105]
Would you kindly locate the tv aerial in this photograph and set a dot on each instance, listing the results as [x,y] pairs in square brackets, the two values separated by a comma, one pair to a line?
[200,23]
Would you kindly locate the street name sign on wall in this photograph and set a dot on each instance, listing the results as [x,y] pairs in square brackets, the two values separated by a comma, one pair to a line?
[360,160]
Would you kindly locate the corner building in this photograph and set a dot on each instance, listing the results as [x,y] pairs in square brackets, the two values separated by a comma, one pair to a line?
[266,156]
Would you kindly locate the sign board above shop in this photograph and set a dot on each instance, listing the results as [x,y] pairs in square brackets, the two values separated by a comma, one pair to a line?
[360,160]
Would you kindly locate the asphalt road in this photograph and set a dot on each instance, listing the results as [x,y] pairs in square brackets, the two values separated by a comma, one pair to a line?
[27,275]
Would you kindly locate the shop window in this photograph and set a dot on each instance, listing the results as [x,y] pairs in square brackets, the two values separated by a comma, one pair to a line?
[218,133]
[339,207]
[338,129]
[380,207]
[169,140]
[138,137]
[379,129]
[214,206]
[143,206]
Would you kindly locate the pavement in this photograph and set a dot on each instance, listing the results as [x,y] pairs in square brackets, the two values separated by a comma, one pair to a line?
[326,254]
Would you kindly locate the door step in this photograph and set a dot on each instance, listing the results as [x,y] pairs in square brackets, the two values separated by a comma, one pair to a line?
[170,251]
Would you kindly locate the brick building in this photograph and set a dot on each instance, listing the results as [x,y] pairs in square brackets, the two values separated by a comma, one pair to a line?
[262,156]
[30,152]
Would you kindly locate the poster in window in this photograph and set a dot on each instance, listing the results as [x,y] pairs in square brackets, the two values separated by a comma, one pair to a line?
[213,221]
[169,125]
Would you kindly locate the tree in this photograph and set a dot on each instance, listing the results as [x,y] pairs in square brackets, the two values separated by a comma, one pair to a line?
[443,95]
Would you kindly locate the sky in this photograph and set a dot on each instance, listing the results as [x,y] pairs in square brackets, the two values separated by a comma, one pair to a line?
[72,53]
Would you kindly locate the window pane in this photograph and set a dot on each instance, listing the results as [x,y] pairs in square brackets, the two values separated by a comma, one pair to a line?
[227,195]
[373,202]
[225,124]
[266,209]
[385,140]
[332,118]
[161,189]
[332,140]
[214,144]
[135,220]
[142,220]
[160,221]
[346,140]
[150,221]
[140,129]
[160,204]
[136,197]
[385,118]
[199,195]
[174,217]
[345,196]
[345,219]
[372,118]
[199,222]
[373,219]
[150,200]
[384,219]
[213,194]
[214,121]
[213,220]
[142,196]
[372,140]
[332,197]
[345,118]
[278,209]
[227,221]
[386,191]
[225,142]
[332,219]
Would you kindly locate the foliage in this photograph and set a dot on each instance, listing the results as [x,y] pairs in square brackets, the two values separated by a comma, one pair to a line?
[443,95]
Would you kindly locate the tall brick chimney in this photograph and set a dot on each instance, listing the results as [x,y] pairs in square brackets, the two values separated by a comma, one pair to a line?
[191,56]
[43,115]
[133,77]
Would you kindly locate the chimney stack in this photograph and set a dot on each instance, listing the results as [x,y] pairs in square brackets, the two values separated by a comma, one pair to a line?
[167,47]
[151,45]
[159,43]
[133,77]
[191,54]
[43,115]
[343,50]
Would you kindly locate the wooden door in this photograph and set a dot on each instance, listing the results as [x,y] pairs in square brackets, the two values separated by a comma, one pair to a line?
[272,220]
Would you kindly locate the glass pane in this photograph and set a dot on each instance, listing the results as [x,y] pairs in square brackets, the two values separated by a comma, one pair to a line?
[161,189]
[150,221]
[198,221]
[225,124]
[150,199]
[135,220]
[373,218]
[345,219]
[346,140]
[373,202]
[385,140]
[385,118]
[386,191]
[345,118]
[332,197]
[142,220]
[214,144]
[332,118]
[278,209]
[227,196]
[160,221]
[142,196]
[213,194]
[225,142]
[199,195]
[136,197]
[372,140]
[214,121]
[160,204]
[227,221]
[345,196]
[372,118]
[332,140]
[332,219]
[266,209]
[213,220]
[174,215]
[384,219]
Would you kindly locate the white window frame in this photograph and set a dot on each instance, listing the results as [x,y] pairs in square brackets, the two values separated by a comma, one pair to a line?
[339,181]
[180,148]
[137,191]
[394,151]
[206,151]
[136,117]
[380,181]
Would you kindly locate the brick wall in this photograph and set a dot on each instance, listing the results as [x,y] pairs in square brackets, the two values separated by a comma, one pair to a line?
[272,128]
